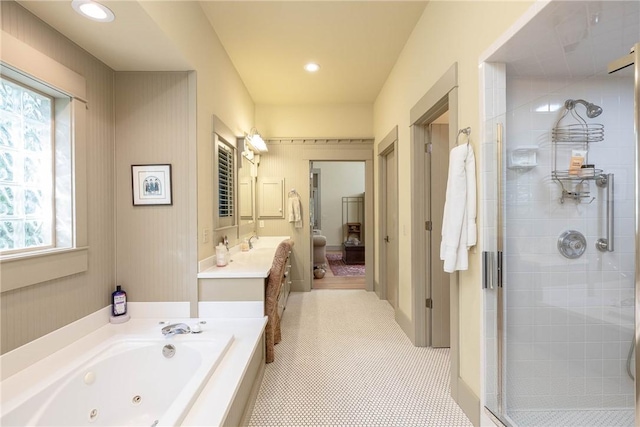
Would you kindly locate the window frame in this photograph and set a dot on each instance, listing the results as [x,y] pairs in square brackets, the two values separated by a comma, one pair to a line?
[222,136]
[22,63]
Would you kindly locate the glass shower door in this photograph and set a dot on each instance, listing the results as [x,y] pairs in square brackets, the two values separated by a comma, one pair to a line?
[560,334]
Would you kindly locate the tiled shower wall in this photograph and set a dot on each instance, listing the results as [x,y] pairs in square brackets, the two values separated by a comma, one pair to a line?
[569,322]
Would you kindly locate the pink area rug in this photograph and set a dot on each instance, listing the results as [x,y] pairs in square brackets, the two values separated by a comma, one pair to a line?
[339,268]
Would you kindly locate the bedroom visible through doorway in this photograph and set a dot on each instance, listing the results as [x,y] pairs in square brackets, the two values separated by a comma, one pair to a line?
[336,206]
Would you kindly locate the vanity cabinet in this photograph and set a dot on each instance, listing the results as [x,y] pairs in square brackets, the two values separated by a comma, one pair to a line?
[238,289]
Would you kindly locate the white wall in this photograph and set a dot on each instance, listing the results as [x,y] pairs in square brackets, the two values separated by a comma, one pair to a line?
[338,180]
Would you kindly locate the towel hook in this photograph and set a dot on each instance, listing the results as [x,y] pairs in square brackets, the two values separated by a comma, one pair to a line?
[466,131]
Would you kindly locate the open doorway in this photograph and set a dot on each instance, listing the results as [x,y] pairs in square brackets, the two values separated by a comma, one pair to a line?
[337,207]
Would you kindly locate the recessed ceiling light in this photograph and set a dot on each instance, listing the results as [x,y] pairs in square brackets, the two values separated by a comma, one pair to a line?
[312,67]
[93,10]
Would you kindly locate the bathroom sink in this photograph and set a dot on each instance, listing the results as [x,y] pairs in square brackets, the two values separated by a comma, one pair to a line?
[255,262]
[253,255]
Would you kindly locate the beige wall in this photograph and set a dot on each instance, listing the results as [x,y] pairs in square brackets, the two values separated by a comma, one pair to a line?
[31,312]
[289,160]
[156,255]
[220,92]
[153,266]
[467,29]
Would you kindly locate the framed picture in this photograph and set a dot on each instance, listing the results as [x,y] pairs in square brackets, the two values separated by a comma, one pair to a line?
[151,184]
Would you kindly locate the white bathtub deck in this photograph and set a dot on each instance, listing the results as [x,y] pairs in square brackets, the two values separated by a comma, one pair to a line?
[23,372]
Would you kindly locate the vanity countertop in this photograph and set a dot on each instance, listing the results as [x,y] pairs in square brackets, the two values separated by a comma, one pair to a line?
[254,263]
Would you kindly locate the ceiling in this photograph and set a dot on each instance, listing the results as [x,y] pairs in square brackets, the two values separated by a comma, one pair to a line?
[356,43]
[572,39]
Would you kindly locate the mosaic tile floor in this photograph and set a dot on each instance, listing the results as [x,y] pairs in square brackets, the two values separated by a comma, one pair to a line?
[586,418]
[344,361]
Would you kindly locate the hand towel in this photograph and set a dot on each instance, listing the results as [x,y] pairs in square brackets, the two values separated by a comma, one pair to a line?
[459,219]
[295,208]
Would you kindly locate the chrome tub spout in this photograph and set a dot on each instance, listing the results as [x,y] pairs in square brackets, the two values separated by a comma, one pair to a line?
[176,328]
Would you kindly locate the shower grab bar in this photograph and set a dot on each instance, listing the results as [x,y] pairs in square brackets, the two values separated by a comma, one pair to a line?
[605,244]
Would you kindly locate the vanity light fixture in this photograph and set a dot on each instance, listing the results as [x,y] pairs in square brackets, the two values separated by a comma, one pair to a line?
[93,10]
[312,67]
[256,142]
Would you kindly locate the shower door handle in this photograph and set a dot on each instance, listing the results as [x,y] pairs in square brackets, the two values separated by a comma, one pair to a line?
[499,270]
[490,272]
[487,270]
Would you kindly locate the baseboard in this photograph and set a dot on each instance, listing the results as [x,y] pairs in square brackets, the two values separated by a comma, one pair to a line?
[333,248]
[405,325]
[469,402]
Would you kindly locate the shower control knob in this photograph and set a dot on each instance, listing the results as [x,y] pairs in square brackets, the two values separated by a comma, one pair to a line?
[572,244]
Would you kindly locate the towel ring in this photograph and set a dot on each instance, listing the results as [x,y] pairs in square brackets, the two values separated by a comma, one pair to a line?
[466,131]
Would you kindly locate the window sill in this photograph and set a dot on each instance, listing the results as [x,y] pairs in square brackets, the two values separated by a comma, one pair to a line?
[19,271]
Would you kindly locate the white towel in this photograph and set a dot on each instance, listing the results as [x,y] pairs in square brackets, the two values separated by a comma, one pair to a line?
[459,219]
[294,208]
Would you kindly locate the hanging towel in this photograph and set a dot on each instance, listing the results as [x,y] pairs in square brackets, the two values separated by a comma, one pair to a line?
[459,219]
[295,207]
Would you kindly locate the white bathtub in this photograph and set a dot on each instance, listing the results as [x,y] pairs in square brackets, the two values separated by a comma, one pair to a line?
[124,381]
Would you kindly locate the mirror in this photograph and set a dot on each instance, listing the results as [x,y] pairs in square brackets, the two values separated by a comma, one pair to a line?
[246,181]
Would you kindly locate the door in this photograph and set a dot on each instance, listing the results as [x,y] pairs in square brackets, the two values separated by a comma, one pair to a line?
[391,227]
[437,279]
[271,197]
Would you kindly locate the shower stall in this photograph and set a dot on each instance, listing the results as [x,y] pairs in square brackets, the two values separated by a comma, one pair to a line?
[559,173]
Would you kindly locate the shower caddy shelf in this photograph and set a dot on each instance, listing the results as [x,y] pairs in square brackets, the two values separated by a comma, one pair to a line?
[578,134]
[581,134]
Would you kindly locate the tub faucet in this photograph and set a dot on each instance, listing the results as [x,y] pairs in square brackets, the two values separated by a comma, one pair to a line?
[250,238]
[176,328]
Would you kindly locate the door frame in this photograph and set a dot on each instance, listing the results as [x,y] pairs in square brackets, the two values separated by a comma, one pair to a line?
[388,144]
[317,208]
[441,96]
[329,154]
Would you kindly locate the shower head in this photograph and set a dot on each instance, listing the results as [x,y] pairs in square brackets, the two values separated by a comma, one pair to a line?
[593,110]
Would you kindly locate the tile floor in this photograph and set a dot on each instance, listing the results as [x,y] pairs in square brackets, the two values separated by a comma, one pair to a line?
[584,418]
[344,361]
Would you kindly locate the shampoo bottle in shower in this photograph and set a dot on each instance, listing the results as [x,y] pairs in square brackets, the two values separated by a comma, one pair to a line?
[119,302]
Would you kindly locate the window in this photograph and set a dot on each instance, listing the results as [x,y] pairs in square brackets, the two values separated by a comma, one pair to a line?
[27,208]
[43,176]
[226,184]
[224,176]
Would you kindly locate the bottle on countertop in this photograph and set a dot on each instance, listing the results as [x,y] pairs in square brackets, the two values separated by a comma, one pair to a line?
[119,302]
[221,255]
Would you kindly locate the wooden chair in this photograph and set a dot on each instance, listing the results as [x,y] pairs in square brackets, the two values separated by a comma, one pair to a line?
[272,292]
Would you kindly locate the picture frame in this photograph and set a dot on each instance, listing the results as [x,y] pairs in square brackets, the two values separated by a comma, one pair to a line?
[151,185]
